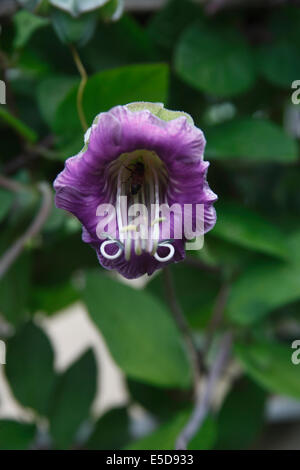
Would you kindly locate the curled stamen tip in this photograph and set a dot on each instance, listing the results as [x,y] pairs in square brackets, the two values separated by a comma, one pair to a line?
[107,255]
[169,255]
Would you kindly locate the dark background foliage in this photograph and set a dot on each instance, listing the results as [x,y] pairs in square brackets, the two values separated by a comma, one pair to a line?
[232,69]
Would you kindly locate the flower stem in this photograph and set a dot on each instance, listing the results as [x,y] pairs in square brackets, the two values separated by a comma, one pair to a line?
[194,353]
[15,250]
[83,82]
[197,263]
[203,401]
[28,134]
[217,314]
[11,185]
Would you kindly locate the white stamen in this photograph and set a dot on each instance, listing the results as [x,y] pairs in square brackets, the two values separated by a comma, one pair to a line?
[147,233]
[118,203]
[137,241]
[157,221]
[144,241]
[129,228]
[156,216]
[127,248]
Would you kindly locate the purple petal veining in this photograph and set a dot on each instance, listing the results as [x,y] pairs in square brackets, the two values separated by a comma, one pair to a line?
[172,150]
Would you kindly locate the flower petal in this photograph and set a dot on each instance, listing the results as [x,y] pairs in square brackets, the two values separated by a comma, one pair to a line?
[84,183]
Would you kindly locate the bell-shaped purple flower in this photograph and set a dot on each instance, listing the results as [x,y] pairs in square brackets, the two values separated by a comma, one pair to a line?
[136,187]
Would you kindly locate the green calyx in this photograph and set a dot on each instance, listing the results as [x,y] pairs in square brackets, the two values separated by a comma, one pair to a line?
[158,110]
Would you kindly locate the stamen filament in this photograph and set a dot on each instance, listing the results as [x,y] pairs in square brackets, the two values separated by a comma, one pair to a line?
[148,231]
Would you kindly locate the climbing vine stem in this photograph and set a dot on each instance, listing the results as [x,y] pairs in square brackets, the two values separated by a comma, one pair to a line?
[81,88]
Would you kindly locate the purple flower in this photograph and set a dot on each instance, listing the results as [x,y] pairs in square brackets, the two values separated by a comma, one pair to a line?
[139,155]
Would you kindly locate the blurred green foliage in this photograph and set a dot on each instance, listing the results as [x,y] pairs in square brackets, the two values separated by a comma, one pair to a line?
[232,72]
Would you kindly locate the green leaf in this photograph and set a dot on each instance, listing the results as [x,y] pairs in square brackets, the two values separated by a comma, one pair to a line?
[220,253]
[30,367]
[252,140]
[112,10]
[269,364]
[128,42]
[74,30]
[72,399]
[30,4]
[6,199]
[217,61]
[262,288]
[15,435]
[53,298]
[293,242]
[111,431]
[26,24]
[285,23]
[162,403]
[169,22]
[139,332]
[56,263]
[77,7]
[195,288]
[239,425]
[15,290]
[22,129]
[164,438]
[125,85]
[105,90]
[56,221]
[51,92]
[246,228]
[280,62]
